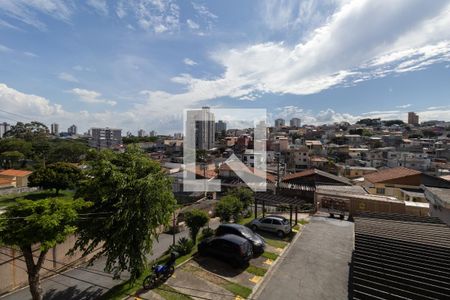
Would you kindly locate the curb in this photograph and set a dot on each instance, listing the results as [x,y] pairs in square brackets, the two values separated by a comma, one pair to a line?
[260,285]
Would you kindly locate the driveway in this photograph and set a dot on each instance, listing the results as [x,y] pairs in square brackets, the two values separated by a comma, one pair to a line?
[316,266]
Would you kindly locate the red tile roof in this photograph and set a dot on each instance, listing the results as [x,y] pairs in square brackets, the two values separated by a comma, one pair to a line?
[5,181]
[390,174]
[300,174]
[18,173]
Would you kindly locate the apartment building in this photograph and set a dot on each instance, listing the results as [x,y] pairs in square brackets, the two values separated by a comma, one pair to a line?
[105,137]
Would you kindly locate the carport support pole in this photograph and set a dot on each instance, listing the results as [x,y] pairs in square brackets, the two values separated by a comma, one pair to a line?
[173,229]
[290,215]
[296,217]
[264,208]
[256,208]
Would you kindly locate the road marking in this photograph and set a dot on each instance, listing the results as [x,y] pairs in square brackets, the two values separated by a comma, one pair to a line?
[294,230]
[269,262]
[238,298]
[255,279]
[279,250]
[174,276]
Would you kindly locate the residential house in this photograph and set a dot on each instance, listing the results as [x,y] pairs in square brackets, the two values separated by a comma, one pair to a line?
[18,178]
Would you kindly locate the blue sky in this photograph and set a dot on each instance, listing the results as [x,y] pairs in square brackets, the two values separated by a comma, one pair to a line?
[138,63]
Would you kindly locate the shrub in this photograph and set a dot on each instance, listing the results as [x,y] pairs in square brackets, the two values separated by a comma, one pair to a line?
[196,219]
[229,207]
[206,233]
[183,246]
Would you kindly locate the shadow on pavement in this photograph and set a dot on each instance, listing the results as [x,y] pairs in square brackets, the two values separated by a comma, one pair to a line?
[219,267]
[72,293]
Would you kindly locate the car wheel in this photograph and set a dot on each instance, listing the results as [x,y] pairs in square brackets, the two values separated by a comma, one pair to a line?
[254,227]
[280,233]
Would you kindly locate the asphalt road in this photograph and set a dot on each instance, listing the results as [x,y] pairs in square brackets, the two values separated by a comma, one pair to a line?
[90,282]
[316,266]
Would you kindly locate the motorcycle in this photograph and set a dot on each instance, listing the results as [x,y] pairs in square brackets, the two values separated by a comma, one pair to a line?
[160,273]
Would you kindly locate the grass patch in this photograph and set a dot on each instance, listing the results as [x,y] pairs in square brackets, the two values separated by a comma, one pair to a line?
[7,200]
[269,255]
[237,289]
[124,289]
[275,243]
[245,221]
[303,221]
[256,270]
[170,293]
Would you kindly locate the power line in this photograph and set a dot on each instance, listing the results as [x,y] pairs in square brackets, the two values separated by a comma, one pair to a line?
[16,114]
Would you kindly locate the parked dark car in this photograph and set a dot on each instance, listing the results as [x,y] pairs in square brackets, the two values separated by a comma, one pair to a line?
[255,239]
[232,248]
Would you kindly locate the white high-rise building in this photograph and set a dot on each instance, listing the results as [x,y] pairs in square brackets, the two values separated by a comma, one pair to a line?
[4,127]
[72,130]
[105,137]
[201,125]
[295,122]
[221,126]
[152,133]
[142,133]
[54,128]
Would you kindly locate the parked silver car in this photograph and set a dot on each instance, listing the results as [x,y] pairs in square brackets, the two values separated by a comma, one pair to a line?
[276,224]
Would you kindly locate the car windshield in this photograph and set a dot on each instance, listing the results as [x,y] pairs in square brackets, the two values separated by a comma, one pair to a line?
[285,222]
[246,232]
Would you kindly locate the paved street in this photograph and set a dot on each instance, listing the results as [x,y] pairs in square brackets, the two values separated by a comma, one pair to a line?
[316,266]
[90,282]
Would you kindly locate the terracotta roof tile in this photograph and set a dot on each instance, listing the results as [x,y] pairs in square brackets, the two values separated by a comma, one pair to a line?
[5,181]
[389,174]
[12,172]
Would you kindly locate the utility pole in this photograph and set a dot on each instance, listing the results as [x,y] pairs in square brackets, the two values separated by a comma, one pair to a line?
[278,172]
[173,229]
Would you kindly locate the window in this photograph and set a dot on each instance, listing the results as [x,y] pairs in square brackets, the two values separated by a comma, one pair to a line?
[276,222]
[380,191]
[266,221]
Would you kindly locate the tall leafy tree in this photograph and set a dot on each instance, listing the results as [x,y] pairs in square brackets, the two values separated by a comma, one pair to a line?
[132,198]
[44,222]
[13,144]
[196,219]
[28,131]
[67,151]
[229,208]
[245,195]
[58,176]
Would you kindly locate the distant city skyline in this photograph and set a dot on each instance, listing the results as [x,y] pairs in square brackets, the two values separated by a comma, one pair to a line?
[125,65]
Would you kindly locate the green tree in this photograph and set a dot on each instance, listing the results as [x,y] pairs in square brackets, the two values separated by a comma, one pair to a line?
[10,159]
[229,207]
[13,144]
[67,151]
[196,219]
[46,222]
[134,196]
[58,176]
[245,195]
[27,131]
[40,148]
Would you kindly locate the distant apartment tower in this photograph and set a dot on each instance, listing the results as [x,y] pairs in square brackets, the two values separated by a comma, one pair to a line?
[201,125]
[72,130]
[178,135]
[295,122]
[152,133]
[105,137]
[221,126]
[142,133]
[413,118]
[54,129]
[279,123]
[4,127]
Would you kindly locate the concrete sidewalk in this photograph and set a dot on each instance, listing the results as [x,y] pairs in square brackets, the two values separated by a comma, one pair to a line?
[316,266]
[90,282]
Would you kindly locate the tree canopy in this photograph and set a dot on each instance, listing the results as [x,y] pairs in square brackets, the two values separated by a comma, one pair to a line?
[132,197]
[27,131]
[46,222]
[58,176]
[229,207]
[245,195]
[196,219]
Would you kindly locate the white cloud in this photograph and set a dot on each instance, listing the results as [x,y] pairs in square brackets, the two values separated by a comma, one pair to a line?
[25,10]
[67,77]
[99,5]
[403,106]
[158,16]
[5,49]
[189,62]
[91,97]
[382,41]
[192,25]
[5,24]
[30,54]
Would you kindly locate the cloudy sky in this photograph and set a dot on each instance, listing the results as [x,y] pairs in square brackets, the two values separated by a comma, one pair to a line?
[138,63]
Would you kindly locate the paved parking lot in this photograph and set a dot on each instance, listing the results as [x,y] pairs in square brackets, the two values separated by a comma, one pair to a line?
[316,266]
[211,278]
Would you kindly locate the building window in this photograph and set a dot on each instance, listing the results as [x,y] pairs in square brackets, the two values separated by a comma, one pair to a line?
[380,191]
